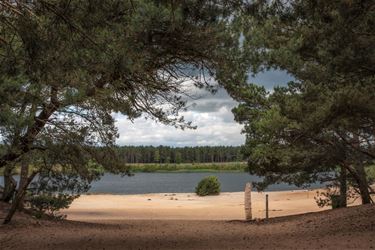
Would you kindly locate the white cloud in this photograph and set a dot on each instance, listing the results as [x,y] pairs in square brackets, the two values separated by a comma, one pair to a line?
[210,113]
[212,129]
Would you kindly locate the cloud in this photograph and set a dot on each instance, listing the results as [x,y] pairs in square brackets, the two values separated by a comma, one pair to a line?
[212,103]
[210,113]
[214,127]
[271,79]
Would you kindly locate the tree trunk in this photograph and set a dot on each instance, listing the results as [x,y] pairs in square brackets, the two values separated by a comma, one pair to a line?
[343,187]
[18,198]
[27,140]
[23,179]
[359,175]
[9,185]
[363,184]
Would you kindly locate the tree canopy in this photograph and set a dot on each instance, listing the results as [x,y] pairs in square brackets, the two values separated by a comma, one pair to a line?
[325,118]
[67,66]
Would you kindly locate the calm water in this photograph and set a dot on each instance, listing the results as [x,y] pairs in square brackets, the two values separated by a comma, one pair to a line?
[142,183]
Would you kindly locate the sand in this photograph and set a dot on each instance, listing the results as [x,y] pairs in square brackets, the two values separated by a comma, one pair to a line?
[188,206]
[348,228]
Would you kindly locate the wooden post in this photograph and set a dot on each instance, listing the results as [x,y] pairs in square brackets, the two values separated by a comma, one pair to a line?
[248,214]
[266,206]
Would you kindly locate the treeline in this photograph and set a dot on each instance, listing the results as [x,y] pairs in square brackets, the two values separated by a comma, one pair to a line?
[166,154]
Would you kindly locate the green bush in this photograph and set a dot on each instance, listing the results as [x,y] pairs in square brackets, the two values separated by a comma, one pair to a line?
[209,185]
[50,204]
[370,172]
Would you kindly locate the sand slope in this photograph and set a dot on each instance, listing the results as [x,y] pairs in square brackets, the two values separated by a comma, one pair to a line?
[350,228]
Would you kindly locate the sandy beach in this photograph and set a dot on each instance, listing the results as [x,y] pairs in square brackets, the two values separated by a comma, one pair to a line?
[348,228]
[186,221]
[188,206]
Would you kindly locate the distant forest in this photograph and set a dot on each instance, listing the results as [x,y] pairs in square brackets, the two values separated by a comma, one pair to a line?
[166,154]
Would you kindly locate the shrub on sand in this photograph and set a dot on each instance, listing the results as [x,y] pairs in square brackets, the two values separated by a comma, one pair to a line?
[209,185]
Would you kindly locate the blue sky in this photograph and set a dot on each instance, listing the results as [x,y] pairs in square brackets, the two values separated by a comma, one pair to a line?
[211,114]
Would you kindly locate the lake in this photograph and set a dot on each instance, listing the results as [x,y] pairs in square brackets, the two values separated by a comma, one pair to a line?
[142,183]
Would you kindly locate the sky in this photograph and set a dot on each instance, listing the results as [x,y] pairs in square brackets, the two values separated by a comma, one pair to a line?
[210,113]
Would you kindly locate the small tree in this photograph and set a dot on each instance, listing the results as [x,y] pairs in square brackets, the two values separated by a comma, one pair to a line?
[178,157]
[208,186]
[56,187]
[50,204]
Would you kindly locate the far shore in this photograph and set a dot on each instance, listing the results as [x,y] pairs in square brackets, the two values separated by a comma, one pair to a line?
[189,206]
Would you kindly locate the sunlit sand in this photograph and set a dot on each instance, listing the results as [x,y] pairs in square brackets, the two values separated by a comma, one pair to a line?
[188,206]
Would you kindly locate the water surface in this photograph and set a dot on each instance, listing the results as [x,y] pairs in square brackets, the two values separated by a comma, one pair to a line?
[143,183]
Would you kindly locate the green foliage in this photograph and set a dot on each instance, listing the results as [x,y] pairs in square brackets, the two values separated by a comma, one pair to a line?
[208,186]
[55,188]
[327,199]
[178,158]
[188,168]
[69,65]
[325,117]
[177,167]
[166,154]
[370,173]
[331,197]
[50,204]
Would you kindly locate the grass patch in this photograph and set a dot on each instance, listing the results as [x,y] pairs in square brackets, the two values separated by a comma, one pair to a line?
[235,167]
[188,167]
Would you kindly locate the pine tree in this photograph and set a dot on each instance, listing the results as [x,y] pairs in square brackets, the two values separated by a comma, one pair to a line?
[68,65]
[325,119]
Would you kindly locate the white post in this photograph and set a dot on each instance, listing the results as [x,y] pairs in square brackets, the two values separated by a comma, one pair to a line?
[248,214]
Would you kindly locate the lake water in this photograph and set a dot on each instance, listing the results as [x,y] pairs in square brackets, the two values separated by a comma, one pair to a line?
[142,183]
